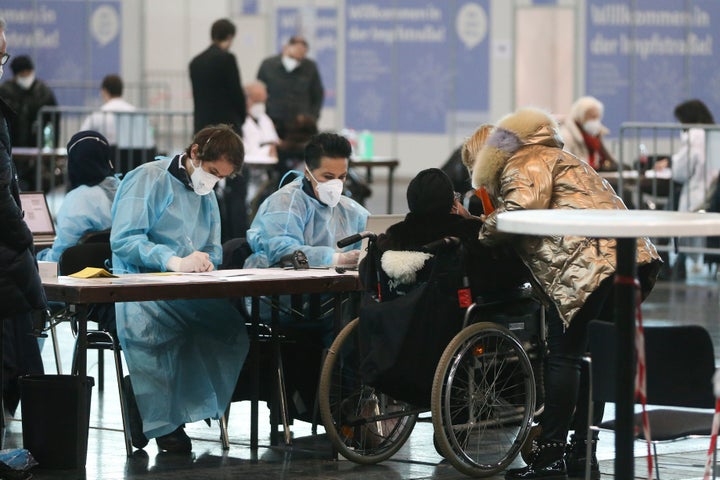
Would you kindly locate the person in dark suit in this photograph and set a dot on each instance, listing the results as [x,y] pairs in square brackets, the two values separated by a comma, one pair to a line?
[20,285]
[215,76]
[220,99]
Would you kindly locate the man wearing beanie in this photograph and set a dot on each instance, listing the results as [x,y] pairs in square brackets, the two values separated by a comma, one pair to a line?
[86,207]
[27,95]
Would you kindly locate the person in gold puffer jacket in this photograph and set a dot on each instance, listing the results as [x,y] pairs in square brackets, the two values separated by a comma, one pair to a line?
[523,166]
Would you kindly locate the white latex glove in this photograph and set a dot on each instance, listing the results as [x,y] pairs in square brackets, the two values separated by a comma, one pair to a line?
[195,262]
[346,258]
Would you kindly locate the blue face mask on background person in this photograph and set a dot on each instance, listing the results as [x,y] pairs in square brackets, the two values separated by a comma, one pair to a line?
[202,181]
[329,191]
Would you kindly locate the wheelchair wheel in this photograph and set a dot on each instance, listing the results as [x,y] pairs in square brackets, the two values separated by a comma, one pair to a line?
[363,424]
[483,399]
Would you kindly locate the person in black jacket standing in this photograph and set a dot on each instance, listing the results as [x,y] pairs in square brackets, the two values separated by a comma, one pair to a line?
[220,99]
[215,76]
[20,286]
[293,83]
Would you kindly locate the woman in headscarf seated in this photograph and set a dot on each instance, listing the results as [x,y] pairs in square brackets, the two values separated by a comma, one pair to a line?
[87,204]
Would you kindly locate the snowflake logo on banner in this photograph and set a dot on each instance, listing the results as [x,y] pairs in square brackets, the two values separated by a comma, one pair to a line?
[370,108]
[658,88]
[426,89]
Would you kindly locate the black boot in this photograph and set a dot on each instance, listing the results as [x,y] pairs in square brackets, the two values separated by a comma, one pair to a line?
[576,455]
[546,462]
[175,442]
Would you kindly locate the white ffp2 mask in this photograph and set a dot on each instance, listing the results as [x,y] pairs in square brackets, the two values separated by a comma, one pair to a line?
[202,181]
[257,110]
[25,82]
[290,63]
[593,127]
[329,191]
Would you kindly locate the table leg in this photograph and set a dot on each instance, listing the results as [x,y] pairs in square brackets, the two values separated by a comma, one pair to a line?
[255,376]
[625,307]
[2,385]
[81,371]
[38,172]
[391,181]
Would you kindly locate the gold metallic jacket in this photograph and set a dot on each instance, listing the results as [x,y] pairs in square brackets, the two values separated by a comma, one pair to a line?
[523,166]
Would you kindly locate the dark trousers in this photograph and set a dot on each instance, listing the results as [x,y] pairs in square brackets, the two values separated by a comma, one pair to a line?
[21,356]
[563,366]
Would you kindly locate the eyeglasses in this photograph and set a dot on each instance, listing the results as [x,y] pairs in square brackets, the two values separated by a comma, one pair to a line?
[4,58]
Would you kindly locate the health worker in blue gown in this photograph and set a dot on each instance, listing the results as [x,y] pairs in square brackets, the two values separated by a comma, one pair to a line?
[86,206]
[310,214]
[184,356]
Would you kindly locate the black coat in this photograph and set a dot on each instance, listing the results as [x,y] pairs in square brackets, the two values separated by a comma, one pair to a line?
[27,104]
[290,94]
[20,286]
[496,268]
[217,89]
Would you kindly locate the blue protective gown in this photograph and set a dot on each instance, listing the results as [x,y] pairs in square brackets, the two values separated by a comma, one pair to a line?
[184,356]
[84,209]
[290,220]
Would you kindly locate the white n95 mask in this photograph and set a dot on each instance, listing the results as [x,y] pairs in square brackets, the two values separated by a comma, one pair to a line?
[25,82]
[290,63]
[329,191]
[593,127]
[257,110]
[202,181]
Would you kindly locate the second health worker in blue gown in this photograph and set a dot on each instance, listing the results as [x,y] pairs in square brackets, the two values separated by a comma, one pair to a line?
[184,356]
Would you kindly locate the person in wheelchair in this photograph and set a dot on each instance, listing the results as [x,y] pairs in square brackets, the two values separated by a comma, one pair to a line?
[435,212]
[91,191]
[523,166]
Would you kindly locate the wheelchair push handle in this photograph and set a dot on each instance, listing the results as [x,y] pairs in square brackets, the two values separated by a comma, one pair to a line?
[344,242]
[443,243]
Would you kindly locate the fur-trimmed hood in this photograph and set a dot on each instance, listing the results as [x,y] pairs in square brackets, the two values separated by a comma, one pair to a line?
[527,126]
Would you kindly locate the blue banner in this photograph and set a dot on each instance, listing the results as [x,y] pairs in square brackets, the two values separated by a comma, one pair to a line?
[71,42]
[319,27]
[646,56]
[416,66]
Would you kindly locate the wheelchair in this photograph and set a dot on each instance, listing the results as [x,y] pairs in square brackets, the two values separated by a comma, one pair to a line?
[484,393]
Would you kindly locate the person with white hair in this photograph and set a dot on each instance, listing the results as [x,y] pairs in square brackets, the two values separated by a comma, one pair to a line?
[582,132]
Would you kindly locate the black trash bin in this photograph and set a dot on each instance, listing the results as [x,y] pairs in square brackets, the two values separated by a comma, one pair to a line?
[55,430]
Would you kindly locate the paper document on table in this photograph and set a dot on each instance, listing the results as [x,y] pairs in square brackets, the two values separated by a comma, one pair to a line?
[92,272]
[222,273]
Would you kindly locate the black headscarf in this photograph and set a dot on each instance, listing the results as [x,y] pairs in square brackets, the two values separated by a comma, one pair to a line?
[430,192]
[88,159]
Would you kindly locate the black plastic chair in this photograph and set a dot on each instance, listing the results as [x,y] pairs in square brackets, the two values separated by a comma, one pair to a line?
[98,254]
[235,252]
[680,363]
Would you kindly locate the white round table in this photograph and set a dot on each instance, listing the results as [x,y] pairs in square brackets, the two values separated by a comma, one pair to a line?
[626,226]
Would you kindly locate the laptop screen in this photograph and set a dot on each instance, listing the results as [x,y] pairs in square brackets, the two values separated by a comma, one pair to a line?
[378,224]
[37,213]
